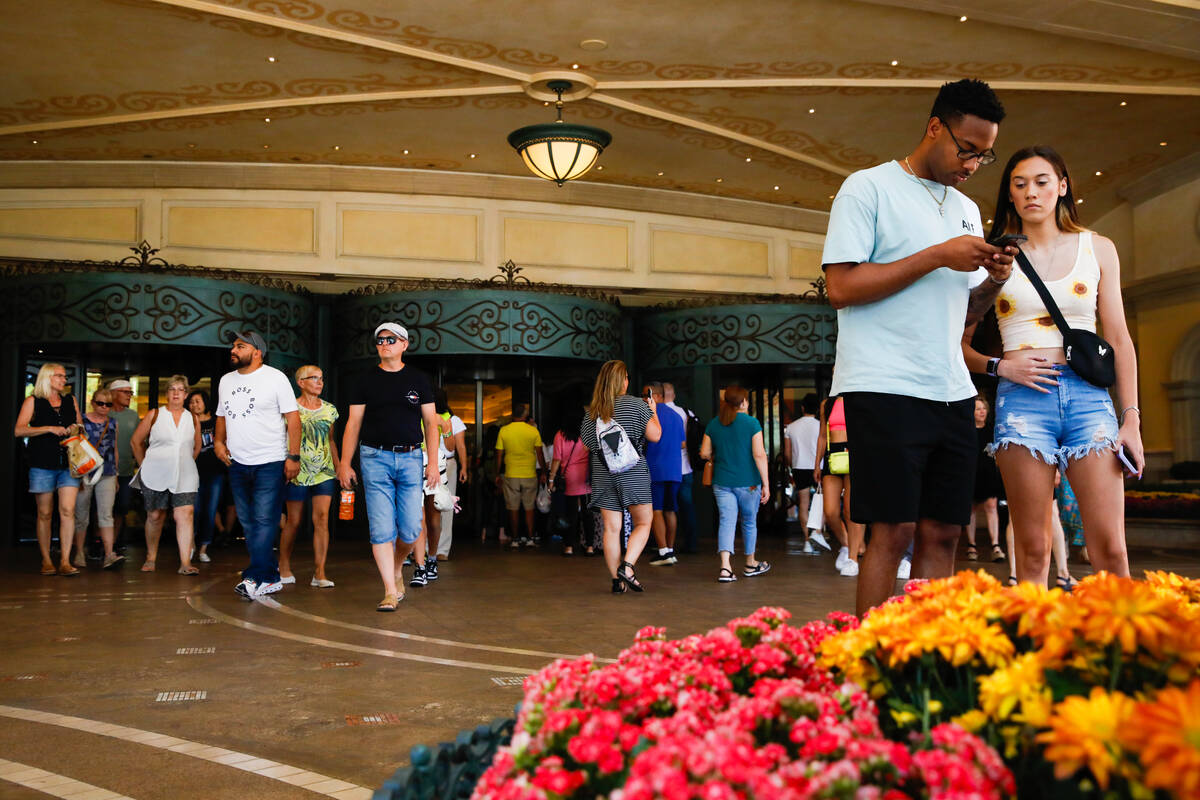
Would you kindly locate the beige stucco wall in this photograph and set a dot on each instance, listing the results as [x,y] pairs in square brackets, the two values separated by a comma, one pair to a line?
[356,237]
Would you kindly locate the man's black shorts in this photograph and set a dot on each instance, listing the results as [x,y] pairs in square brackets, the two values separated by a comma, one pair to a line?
[911,458]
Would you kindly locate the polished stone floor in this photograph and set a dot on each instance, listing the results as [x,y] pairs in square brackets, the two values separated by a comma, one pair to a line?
[155,685]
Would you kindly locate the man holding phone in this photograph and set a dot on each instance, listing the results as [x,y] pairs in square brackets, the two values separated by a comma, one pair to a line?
[906,268]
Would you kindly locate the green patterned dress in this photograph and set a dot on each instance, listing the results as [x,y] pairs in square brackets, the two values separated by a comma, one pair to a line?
[316,459]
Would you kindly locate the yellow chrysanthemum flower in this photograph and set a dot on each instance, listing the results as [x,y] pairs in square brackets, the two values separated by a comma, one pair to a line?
[1083,734]
[1165,733]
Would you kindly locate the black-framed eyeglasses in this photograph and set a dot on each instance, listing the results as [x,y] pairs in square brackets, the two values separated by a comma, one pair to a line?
[101,404]
[964,154]
[380,341]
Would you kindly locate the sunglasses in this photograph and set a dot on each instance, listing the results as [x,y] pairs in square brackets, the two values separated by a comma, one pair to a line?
[101,404]
[382,340]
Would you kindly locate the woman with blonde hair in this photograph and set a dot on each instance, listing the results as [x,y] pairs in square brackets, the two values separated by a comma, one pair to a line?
[317,480]
[165,446]
[615,430]
[101,430]
[733,441]
[43,421]
[1048,416]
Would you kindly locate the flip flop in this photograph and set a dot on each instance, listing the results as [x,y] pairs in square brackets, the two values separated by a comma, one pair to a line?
[148,566]
[67,571]
[189,571]
[49,570]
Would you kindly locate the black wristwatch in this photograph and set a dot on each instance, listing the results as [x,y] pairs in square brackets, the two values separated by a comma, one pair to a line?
[993,367]
[293,457]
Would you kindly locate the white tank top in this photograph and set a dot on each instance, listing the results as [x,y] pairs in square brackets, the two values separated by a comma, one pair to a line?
[1024,322]
[168,465]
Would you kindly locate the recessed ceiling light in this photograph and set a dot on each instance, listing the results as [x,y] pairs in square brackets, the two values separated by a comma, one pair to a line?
[405,152]
[1078,201]
[748,159]
[593,44]
[830,197]
[192,145]
[271,59]
[266,119]
[1098,173]
[989,222]
[777,188]
[266,147]
[33,141]
[472,155]
[599,166]
[720,180]
[963,18]
[574,66]
[812,111]
[660,174]
[895,62]
[1123,103]
[337,147]
[1162,144]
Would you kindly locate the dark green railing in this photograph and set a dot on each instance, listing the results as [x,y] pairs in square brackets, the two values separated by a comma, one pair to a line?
[451,771]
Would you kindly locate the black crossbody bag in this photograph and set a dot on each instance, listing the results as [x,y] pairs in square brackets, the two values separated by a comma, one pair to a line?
[1089,355]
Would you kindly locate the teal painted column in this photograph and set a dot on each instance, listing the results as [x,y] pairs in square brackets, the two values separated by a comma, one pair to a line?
[704,407]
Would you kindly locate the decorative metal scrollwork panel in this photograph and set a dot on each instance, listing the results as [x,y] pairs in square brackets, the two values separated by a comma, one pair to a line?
[169,309]
[783,333]
[499,322]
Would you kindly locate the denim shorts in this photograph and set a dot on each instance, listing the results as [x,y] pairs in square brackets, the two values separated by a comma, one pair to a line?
[1074,420]
[48,480]
[393,486]
[298,494]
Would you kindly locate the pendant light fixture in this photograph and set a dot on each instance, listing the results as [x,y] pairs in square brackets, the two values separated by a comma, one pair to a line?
[559,151]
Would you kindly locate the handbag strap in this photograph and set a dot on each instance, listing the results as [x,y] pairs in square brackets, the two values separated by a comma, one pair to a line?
[1043,292]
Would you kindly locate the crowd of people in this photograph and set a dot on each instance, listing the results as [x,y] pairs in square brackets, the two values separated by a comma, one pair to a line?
[911,274]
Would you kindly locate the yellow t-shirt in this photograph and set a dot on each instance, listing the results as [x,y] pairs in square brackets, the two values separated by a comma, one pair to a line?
[518,440]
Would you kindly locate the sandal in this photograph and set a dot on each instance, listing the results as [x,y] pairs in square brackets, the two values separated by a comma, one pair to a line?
[148,566]
[1065,582]
[49,569]
[1012,580]
[630,578]
[389,602]
[757,569]
[726,575]
[189,571]
[998,554]
[67,571]
[618,586]
[972,553]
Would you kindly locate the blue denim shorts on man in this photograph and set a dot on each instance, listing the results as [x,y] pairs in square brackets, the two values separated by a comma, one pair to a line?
[1074,420]
[393,488]
[48,480]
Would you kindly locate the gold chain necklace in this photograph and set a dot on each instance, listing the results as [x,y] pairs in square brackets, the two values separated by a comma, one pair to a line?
[945,190]
[1048,265]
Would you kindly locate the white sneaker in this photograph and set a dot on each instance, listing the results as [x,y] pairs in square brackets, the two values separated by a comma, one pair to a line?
[322,583]
[816,538]
[842,557]
[204,559]
[905,569]
[808,550]
[848,569]
[270,588]
[246,589]
[290,579]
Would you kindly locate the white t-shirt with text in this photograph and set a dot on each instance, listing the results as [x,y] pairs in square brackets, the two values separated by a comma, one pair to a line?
[253,405]
[907,343]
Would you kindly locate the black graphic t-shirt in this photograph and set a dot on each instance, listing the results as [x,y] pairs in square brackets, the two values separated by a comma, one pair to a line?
[393,401]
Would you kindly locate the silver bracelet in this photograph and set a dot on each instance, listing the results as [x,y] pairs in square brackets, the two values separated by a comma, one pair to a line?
[1127,409]
[993,280]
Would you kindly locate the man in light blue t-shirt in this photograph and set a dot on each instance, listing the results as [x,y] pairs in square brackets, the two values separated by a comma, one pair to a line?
[906,267]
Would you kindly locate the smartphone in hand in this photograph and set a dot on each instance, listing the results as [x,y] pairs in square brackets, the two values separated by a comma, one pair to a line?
[1130,470]
[1009,240]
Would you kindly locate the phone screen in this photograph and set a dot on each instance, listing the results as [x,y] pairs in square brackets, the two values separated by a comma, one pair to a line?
[1010,240]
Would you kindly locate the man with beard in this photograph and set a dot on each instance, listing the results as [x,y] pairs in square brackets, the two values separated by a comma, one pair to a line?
[258,437]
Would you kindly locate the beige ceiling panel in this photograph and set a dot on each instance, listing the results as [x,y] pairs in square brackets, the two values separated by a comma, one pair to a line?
[682,251]
[85,223]
[543,241]
[390,233]
[804,263]
[251,228]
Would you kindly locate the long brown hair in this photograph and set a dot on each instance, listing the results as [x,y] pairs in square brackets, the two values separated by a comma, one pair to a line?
[610,383]
[734,397]
[1007,220]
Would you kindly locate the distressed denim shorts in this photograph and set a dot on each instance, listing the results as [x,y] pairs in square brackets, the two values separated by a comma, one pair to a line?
[1074,420]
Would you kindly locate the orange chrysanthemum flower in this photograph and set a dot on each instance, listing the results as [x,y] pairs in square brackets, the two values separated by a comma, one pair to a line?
[1083,734]
[1129,612]
[1165,732]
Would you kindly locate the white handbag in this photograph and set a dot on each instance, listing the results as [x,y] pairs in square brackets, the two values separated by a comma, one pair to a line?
[816,511]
